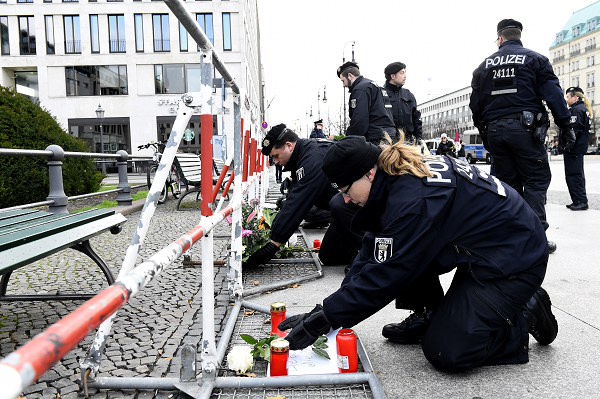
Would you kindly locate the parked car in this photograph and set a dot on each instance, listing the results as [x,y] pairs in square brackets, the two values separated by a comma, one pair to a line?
[432,144]
[593,150]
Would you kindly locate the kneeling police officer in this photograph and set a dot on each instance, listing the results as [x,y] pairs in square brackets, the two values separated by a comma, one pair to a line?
[304,159]
[426,216]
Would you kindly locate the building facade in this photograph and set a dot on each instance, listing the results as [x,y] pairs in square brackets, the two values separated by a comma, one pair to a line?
[574,54]
[131,57]
[448,114]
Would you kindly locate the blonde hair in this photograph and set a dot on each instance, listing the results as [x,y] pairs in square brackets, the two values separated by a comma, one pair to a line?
[398,159]
[585,101]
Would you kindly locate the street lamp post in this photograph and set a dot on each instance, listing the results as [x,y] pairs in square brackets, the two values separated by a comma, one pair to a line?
[100,116]
[343,88]
[319,99]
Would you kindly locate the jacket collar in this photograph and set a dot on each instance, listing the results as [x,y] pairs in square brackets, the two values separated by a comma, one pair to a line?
[292,164]
[389,86]
[356,81]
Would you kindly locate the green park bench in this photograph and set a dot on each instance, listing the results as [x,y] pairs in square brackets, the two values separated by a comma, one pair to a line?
[28,235]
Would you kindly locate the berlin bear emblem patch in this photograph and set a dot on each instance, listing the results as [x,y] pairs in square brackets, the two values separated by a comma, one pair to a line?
[353,103]
[383,249]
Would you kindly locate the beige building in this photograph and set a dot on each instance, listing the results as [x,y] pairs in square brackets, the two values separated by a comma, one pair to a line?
[575,57]
[132,57]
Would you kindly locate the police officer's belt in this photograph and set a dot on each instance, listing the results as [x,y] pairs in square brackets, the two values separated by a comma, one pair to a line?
[511,116]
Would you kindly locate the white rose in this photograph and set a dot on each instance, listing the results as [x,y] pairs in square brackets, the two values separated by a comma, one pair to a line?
[293,240]
[240,358]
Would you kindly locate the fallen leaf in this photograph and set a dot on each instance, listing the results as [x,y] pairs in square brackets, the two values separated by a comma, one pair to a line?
[249,312]
[294,286]
[255,282]
[248,374]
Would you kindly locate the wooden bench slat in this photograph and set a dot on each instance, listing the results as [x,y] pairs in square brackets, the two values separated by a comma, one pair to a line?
[15,212]
[31,217]
[13,237]
[15,257]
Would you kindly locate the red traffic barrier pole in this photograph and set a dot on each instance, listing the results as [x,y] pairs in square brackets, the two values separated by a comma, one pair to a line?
[206,164]
[245,156]
[219,182]
[252,157]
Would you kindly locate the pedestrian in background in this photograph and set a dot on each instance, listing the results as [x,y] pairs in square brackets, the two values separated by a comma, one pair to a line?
[404,105]
[581,114]
[317,132]
[508,89]
[366,107]
[446,147]
[461,151]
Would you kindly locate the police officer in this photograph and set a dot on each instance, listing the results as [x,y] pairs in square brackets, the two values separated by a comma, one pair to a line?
[446,146]
[366,106]
[317,132]
[304,158]
[425,217]
[508,89]
[404,105]
[581,112]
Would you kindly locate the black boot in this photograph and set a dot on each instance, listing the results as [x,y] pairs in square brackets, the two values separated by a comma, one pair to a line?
[410,331]
[540,320]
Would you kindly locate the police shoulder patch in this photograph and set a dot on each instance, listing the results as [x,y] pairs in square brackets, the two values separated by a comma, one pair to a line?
[353,103]
[383,248]
[573,119]
[300,173]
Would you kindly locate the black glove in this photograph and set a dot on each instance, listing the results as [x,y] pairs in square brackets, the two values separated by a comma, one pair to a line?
[261,256]
[286,184]
[306,328]
[566,138]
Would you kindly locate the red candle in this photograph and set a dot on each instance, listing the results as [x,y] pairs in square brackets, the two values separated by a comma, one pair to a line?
[280,352]
[317,244]
[347,356]
[277,316]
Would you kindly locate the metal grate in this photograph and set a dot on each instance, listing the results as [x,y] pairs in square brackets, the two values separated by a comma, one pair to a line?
[304,266]
[258,325]
[322,392]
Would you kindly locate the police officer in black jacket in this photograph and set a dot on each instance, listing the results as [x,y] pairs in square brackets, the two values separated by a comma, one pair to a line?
[425,217]
[508,89]
[581,112]
[304,158]
[368,116]
[404,104]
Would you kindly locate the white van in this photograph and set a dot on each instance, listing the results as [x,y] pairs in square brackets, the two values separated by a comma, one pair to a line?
[474,150]
[432,145]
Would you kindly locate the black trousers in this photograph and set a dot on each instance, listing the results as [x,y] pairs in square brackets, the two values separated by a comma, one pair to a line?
[278,172]
[575,177]
[521,162]
[340,244]
[481,322]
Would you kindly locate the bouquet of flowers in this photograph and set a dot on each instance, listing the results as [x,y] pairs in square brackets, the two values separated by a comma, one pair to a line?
[256,230]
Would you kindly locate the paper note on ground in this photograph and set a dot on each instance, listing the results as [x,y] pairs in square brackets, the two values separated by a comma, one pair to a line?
[306,361]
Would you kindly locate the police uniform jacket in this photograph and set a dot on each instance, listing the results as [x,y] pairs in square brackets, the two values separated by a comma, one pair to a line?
[461,215]
[309,187]
[368,117]
[404,110]
[580,121]
[317,134]
[515,79]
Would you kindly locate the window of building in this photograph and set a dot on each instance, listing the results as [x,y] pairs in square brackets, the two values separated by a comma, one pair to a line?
[4,46]
[27,35]
[139,32]
[183,38]
[575,81]
[116,33]
[176,78]
[206,23]
[226,31]
[160,27]
[94,33]
[49,34]
[96,80]
[72,34]
[24,1]
[590,80]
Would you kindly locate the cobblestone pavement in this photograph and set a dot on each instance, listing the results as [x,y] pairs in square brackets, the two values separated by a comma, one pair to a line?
[147,332]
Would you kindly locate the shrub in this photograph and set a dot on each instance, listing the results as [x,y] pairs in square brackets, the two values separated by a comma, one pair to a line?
[24,180]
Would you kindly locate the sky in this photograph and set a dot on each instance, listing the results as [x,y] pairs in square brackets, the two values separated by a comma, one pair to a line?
[441,42]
